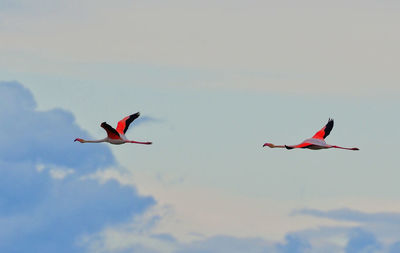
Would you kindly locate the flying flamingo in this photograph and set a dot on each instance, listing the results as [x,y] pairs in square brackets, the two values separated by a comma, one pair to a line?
[316,142]
[116,136]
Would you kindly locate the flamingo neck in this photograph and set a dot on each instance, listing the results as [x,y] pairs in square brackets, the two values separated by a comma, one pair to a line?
[273,146]
[94,141]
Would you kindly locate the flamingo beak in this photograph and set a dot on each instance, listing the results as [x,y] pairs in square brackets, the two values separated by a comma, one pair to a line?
[355,149]
[268,144]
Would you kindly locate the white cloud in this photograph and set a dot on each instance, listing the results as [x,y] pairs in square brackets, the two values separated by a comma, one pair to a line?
[196,216]
[193,213]
[56,172]
[60,173]
[138,233]
[40,167]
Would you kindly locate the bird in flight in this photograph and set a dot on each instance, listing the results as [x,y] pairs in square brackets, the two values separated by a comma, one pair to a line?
[116,136]
[315,142]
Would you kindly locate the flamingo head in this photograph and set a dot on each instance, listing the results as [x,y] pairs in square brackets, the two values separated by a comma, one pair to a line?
[269,145]
[355,149]
[80,140]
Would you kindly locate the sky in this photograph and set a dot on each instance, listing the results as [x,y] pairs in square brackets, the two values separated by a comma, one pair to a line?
[213,80]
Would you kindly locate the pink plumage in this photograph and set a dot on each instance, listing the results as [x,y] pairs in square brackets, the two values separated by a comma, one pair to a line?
[316,142]
[116,136]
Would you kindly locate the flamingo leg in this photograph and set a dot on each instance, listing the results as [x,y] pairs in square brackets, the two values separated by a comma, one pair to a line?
[345,148]
[140,142]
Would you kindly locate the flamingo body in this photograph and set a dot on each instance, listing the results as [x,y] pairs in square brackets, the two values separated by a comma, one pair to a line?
[314,143]
[116,136]
[311,143]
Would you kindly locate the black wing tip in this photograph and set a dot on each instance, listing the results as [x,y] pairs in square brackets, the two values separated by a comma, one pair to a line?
[130,119]
[287,147]
[134,116]
[328,127]
[330,122]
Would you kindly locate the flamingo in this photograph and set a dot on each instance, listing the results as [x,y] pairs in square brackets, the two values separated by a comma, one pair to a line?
[116,136]
[316,142]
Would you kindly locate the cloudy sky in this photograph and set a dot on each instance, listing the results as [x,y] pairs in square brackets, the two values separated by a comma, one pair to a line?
[213,80]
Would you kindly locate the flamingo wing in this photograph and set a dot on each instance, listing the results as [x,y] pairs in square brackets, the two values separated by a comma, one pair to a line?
[301,145]
[111,132]
[325,131]
[123,124]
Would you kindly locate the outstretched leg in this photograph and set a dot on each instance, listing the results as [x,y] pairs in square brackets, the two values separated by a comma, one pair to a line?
[141,142]
[345,148]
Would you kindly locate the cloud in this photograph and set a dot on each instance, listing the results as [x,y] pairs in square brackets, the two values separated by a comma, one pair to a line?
[47,137]
[316,235]
[60,196]
[374,232]
[326,57]
[215,244]
[395,247]
[322,239]
[352,215]
[362,241]
[60,173]
[44,207]
[226,244]
[294,244]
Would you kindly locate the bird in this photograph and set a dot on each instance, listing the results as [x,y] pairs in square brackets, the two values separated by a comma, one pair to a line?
[316,142]
[116,136]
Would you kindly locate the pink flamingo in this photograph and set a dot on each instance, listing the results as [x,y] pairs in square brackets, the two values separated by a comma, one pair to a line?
[116,136]
[316,142]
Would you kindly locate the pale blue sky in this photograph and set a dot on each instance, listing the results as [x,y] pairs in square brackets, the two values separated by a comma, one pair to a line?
[219,79]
